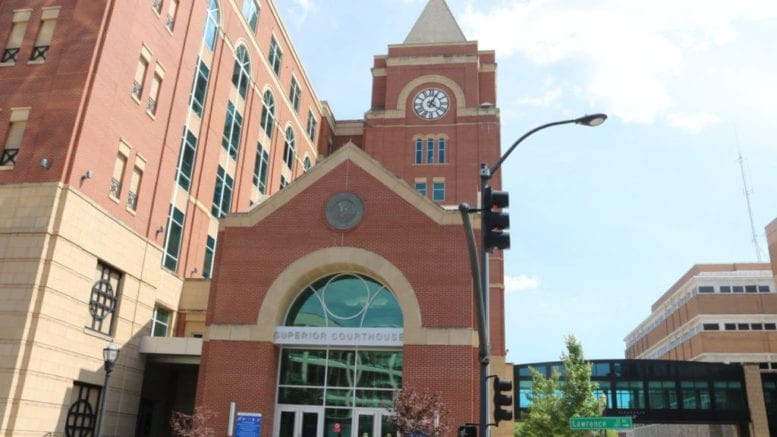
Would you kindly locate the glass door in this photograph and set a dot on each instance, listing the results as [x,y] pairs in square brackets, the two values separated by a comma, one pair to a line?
[371,422]
[299,422]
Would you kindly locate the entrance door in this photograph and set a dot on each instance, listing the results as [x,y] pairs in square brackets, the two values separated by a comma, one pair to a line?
[300,422]
[369,422]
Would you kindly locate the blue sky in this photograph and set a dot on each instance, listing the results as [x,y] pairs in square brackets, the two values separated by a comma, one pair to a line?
[603,220]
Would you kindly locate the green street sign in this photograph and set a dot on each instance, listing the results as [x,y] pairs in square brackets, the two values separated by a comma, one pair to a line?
[596,423]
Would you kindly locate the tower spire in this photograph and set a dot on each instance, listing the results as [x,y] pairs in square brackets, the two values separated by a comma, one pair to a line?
[435,25]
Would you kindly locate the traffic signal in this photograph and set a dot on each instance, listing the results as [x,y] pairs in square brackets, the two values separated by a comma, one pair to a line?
[502,400]
[495,221]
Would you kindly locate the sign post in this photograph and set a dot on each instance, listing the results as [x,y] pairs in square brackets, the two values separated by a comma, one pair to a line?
[599,423]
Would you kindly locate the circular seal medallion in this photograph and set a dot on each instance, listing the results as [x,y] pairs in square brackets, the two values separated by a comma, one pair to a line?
[344,211]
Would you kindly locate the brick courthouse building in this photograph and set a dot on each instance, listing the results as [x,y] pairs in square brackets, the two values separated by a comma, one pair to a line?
[354,280]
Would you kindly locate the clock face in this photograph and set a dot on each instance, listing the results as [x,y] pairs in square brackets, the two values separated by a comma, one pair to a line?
[431,104]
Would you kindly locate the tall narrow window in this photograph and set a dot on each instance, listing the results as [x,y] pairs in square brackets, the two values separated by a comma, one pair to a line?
[200,87]
[275,56]
[284,182]
[268,113]
[419,151]
[438,191]
[153,92]
[430,151]
[233,126]
[241,71]
[18,28]
[140,73]
[186,163]
[160,322]
[307,163]
[211,25]
[172,10]
[207,264]
[251,13]
[46,32]
[294,94]
[118,174]
[289,148]
[311,126]
[135,183]
[104,298]
[441,156]
[157,6]
[173,237]
[13,141]
[222,193]
[260,169]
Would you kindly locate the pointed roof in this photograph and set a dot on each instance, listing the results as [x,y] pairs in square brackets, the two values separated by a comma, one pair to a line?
[435,25]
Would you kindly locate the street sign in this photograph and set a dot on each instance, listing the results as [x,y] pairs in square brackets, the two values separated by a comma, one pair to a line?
[596,423]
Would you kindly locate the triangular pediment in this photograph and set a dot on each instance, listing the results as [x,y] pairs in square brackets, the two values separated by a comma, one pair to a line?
[435,25]
[348,154]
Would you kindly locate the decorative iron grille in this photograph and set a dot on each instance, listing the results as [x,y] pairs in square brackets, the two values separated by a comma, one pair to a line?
[170,22]
[132,200]
[115,190]
[137,89]
[9,55]
[8,157]
[151,105]
[39,52]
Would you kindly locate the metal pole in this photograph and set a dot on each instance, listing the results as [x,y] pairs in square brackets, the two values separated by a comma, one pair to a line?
[103,395]
[485,175]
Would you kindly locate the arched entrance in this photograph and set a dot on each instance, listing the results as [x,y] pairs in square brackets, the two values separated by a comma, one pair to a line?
[341,359]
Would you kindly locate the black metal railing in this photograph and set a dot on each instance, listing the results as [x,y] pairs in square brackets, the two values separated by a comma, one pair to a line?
[39,52]
[9,55]
[115,188]
[8,157]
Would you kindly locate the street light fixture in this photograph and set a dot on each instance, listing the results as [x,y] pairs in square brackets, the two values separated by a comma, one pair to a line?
[110,356]
[480,273]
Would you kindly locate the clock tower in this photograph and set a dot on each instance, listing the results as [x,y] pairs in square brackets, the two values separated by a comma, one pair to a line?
[433,116]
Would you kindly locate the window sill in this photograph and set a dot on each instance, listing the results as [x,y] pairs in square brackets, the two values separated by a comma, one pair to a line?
[132,211]
[114,198]
[151,115]
[7,64]
[135,98]
[97,334]
[6,167]
[36,62]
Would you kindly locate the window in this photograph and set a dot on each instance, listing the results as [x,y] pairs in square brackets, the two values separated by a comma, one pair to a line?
[233,126]
[629,394]
[311,127]
[82,414]
[18,28]
[725,289]
[172,10]
[13,140]
[261,164]
[430,151]
[186,159]
[306,163]
[211,25]
[728,395]
[200,87]
[153,93]
[706,289]
[222,193]
[770,326]
[763,288]
[157,6]
[419,151]
[711,327]
[140,73]
[662,395]
[441,151]
[420,186]
[738,289]
[438,191]
[757,326]
[294,94]
[730,326]
[104,298]
[173,238]
[118,171]
[289,148]
[207,264]
[268,113]
[274,56]
[160,323]
[696,395]
[134,188]
[750,289]
[45,33]
[743,326]
[241,72]
[284,182]
[251,13]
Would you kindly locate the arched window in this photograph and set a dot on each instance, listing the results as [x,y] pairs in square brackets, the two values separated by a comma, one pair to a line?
[289,147]
[346,300]
[211,25]
[307,164]
[241,71]
[268,113]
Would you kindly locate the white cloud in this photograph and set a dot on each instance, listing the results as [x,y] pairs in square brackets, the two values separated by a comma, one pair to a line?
[520,283]
[629,56]
[692,123]
[550,97]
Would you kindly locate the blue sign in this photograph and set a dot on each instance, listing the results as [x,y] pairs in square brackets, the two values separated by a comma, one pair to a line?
[248,425]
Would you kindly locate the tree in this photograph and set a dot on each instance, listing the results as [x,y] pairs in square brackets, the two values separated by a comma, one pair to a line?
[414,412]
[193,425]
[555,399]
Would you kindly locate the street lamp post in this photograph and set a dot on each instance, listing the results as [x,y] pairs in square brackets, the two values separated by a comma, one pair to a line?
[481,272]
[110,355]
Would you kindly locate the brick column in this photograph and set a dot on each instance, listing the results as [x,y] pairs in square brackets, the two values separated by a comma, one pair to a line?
[755,400]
